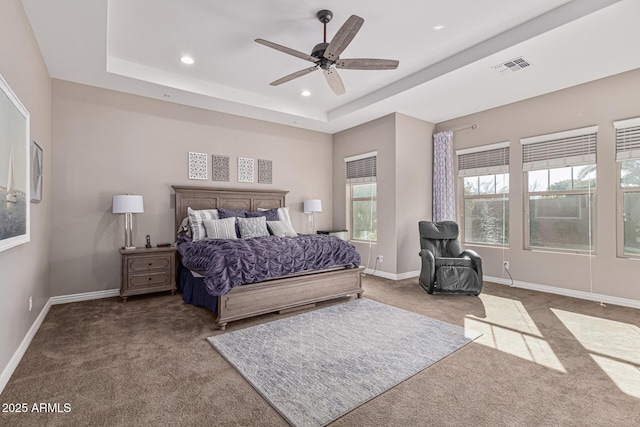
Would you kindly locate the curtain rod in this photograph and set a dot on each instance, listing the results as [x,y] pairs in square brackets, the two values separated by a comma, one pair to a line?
[472,127]
[466,127]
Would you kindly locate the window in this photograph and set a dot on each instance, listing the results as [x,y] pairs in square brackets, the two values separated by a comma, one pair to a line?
[364,218]
[484,175]
[560,207]
[628,157]
[362,194]
[560,187]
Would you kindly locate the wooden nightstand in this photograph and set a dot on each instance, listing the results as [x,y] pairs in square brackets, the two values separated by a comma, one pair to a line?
[148,270]
[343,234]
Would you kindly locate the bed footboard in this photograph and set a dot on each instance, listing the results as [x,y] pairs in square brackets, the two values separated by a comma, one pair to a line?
[266,297]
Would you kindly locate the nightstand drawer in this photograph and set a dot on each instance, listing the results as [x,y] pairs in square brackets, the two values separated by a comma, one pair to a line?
[141,265]
[149,280]
[147,270]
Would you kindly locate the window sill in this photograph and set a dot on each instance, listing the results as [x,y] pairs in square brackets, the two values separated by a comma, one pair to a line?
[629,257]
[485,245]
[561,251]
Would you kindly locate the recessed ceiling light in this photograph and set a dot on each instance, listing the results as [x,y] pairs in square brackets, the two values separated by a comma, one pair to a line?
[438,27]
[186,60]
[305,93]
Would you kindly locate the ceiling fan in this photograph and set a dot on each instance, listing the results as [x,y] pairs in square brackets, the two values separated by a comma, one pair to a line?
[327,55]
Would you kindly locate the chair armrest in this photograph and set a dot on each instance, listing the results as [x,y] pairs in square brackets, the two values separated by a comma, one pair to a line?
[428,270]
[473,255]
[427,253]
[477,261]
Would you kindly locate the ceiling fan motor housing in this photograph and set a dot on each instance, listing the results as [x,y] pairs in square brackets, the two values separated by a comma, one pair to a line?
[318,52]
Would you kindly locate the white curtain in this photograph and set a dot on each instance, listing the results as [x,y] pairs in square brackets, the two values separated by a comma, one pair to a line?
[444,200]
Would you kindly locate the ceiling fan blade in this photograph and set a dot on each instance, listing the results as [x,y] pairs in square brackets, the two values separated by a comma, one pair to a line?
[287,50]
[334,80]
[367,64]
[343,37]
[294,75]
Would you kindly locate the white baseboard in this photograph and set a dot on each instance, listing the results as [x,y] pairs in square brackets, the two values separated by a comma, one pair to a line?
[625,302]
[24,345]
[392,276]
[22,348]
[408,275]
[86,296]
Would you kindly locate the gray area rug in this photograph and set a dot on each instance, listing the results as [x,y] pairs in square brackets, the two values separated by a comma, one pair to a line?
[319,365]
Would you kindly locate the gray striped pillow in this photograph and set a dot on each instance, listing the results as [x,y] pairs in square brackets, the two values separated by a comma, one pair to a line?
[195,221]
[220,228]
[281,229]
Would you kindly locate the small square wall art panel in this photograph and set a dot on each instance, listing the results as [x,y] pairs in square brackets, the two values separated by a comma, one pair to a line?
[220,168]
[245,169]
[265,171]
[197,166]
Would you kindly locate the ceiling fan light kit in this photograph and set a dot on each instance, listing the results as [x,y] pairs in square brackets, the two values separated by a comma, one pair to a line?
[327,55]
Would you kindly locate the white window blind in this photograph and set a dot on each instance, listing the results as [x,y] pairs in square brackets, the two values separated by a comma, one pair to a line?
[571,148]
[485,160]
[361,168]
[627,139]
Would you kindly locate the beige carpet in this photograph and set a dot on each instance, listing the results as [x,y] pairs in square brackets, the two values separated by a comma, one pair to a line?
[543,360]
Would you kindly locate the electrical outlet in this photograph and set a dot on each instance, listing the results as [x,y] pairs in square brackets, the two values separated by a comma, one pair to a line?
[30,303]
[505,264]
[380,258]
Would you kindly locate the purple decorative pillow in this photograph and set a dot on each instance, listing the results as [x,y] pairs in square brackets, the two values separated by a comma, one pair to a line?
[228,213]
[271,214]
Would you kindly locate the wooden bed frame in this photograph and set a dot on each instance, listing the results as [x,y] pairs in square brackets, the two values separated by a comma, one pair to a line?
[273,295]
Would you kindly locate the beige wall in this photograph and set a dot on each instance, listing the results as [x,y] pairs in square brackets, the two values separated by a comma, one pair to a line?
[376,135]
[403,186]
[24,269]
[414,186]
[596,103]
[112,143]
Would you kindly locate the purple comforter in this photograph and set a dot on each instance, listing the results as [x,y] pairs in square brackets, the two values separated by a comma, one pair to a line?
[230,263]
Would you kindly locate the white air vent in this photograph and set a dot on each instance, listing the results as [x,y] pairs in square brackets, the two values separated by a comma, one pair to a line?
[512,65]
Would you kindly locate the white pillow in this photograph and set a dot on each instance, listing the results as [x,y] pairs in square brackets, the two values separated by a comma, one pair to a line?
[253,227]
[281,229]
[220,228]
[195,221]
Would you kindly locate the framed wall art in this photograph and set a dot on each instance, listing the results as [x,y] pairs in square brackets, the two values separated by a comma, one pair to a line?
[198,166]
[245,169]
[219,168]
[14,170]
[36,172]
[265,171]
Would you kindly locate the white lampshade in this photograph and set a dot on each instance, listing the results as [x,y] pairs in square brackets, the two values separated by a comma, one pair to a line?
[128,203]
[313,205]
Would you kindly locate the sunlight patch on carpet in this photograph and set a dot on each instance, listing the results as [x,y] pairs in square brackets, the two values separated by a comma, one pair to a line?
[508,327]
[613,345]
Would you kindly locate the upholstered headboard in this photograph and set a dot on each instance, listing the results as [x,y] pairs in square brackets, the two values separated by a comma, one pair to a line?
[228,198]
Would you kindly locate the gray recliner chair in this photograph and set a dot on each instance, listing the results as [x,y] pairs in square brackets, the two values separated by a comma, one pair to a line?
[446,268]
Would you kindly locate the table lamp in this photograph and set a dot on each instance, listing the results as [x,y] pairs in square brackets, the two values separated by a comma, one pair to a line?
[311,207]
[128,205]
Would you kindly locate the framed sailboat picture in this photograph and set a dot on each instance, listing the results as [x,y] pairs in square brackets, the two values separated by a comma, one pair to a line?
[14,169]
